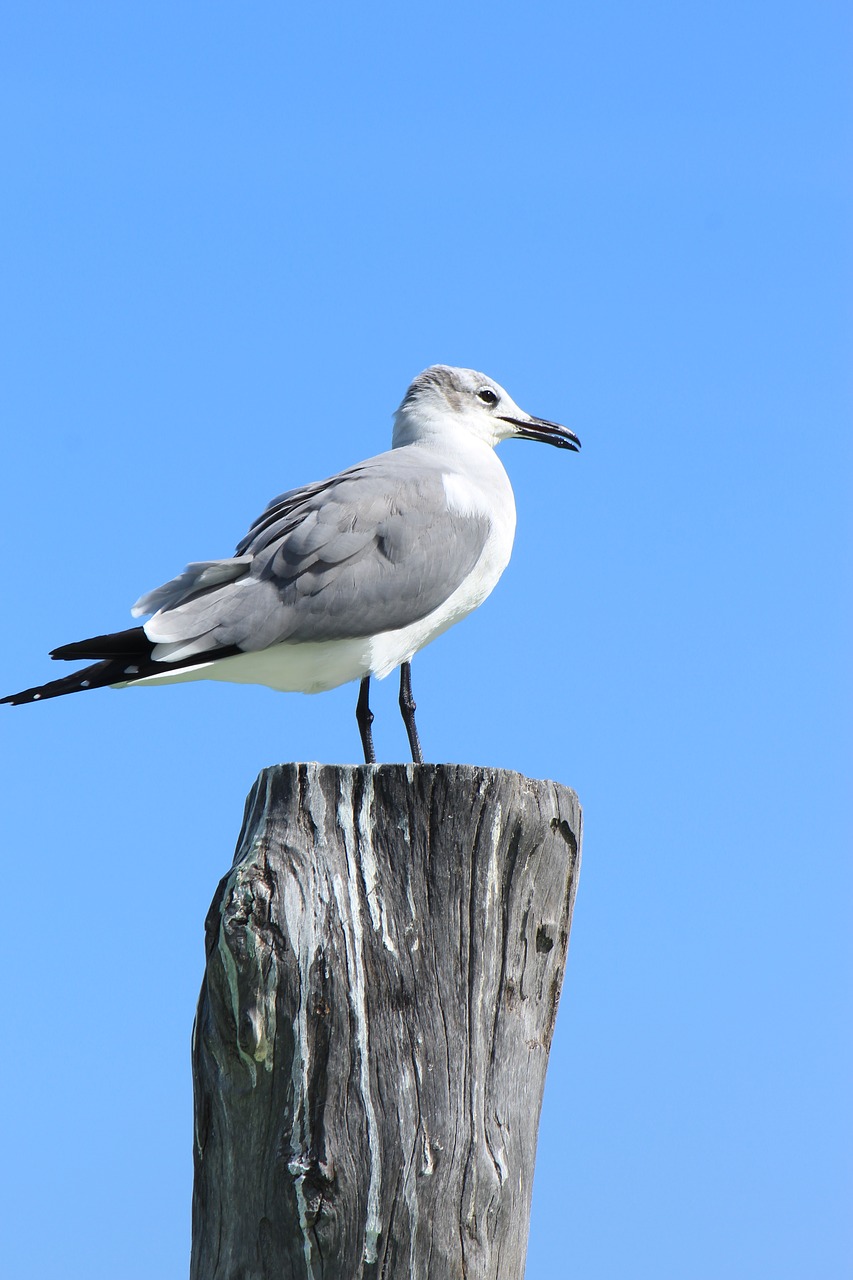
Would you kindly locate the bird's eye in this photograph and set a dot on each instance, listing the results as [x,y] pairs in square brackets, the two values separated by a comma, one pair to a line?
[487,395]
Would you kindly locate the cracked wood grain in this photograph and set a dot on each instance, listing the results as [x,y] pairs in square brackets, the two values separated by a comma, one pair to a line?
[384,963]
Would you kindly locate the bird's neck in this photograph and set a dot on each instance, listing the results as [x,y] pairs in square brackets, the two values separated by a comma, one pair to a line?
[423,425]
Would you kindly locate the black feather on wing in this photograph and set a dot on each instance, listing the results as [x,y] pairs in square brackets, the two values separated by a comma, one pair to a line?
[126,657]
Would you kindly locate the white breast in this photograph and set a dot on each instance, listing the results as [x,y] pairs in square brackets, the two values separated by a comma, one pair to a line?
[491,496]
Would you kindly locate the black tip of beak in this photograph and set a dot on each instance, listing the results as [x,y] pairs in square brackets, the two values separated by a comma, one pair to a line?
[546,432]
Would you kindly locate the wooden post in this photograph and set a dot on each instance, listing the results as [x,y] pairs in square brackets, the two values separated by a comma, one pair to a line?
[384,962]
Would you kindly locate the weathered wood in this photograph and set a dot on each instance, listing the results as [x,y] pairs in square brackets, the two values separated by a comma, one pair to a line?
[384,962]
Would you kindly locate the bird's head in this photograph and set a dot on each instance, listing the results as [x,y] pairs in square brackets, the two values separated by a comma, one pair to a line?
[444,401]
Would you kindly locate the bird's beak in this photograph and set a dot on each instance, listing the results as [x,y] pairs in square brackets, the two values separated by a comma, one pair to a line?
[548,432]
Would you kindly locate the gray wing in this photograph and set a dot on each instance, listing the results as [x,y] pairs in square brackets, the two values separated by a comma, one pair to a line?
[197,576]
[371,550]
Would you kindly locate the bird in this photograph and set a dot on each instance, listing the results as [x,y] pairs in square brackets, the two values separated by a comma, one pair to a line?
[347,578]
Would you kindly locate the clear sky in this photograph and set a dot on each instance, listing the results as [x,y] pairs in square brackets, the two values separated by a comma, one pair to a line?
[231,235]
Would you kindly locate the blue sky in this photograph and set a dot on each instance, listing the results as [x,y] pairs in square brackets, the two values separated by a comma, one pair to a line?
[230,240]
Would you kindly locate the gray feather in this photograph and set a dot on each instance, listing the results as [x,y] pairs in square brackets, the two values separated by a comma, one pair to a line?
[196,577]
[372,550]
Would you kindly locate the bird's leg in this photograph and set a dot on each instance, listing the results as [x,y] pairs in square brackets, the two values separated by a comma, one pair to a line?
[364,719]
[408,708]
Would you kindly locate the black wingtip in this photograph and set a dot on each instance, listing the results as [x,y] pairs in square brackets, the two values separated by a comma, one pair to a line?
[93,677]
[123,665]
[19,699]
[132,644]
[119,653]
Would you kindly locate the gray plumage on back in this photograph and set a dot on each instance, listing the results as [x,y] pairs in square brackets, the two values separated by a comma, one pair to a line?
[318,562]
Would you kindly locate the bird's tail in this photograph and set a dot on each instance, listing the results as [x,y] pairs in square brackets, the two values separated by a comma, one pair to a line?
[131,645]
[125,655]
[94,677]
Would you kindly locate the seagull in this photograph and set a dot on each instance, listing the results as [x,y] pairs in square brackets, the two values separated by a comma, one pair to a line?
[346,578]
